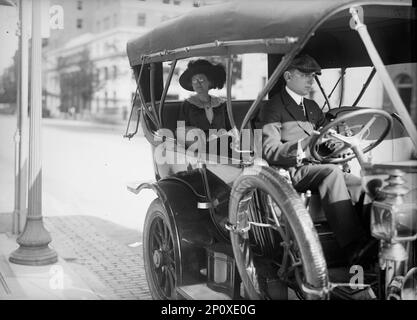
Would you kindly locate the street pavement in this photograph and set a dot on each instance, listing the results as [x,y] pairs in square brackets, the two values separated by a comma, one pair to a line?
[94,221]
[101,250]
[85,170]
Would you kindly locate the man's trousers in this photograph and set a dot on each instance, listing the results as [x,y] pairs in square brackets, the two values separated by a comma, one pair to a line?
[337,190]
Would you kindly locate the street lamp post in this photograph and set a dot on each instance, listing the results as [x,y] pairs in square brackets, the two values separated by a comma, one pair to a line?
[20,165]
[34,241]
[21,135]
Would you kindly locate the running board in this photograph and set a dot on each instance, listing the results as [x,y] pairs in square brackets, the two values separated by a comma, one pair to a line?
[200,291]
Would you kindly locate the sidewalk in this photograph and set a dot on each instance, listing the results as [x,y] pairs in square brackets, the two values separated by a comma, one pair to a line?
[98,260]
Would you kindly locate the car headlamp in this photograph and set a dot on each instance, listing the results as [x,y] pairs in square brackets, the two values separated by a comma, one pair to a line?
[394,222]
[392,219]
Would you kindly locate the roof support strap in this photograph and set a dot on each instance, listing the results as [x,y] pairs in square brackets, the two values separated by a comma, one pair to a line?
[166,87]
[144,107]
[365,86]
[383,74]
[152,89]
[322,92]
[229,71]
[269,84]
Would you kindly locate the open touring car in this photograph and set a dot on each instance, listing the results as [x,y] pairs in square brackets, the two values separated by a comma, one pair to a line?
[236,228]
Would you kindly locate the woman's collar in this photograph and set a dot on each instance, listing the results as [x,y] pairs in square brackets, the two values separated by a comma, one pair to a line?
[214,101]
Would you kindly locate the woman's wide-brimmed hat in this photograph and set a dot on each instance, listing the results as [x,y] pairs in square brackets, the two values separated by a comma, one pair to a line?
[214,72]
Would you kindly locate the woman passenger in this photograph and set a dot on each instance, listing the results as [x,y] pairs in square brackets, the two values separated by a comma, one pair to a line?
[202,110]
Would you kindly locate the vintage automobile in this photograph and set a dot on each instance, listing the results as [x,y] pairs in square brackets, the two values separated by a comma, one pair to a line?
[236,228]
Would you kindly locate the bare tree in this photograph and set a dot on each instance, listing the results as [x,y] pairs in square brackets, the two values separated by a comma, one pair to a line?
[8,92]
[78,80]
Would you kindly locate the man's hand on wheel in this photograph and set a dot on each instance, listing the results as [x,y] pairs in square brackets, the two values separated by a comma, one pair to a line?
[330,142]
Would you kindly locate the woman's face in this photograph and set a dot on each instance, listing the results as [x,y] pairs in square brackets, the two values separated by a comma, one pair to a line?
[200,83]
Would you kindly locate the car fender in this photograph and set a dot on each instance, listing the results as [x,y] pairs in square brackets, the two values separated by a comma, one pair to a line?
[191,226]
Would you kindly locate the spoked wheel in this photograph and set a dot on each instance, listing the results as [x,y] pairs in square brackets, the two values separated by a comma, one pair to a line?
[273,237]
[159,253]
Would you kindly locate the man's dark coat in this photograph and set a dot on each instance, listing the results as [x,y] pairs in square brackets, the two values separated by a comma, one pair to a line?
[284,123]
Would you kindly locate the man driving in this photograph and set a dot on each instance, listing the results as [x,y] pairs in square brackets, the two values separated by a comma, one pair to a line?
[288,122]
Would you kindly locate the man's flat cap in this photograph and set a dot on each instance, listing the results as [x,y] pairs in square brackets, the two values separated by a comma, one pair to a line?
[305,64]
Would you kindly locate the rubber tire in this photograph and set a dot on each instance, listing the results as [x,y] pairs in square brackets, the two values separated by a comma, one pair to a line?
[155,211]
[284,195]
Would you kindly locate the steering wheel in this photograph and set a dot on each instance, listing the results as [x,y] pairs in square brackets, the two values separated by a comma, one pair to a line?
[352,141]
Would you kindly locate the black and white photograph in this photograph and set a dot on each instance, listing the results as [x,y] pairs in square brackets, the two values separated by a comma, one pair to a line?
[219,151]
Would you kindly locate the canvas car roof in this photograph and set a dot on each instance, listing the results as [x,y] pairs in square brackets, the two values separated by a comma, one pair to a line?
[265,19]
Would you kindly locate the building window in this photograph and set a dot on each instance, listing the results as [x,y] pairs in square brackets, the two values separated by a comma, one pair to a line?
[404,84]
[165,1]
[177,2]
[115,20]
[106,23]
[141,21]
[115,71]
[79,5]
[106,73]
[79,23]
[196,3]
[98,26]
[98,75]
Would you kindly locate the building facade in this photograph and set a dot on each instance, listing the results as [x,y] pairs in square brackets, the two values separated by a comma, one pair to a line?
[85,69]
[87,74]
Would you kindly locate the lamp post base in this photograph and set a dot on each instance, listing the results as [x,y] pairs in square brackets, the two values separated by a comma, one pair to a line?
[34,247]
[34,256]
